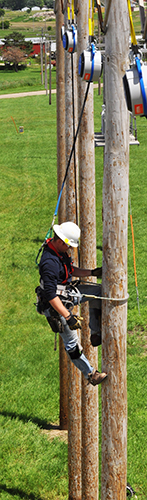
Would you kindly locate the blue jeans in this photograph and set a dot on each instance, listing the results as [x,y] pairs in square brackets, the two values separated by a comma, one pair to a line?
[70,340]
[70,337]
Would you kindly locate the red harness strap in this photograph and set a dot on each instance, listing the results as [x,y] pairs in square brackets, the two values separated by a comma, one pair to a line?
[49,243]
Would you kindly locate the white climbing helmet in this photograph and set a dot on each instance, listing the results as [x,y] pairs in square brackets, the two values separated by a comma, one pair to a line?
[68,232]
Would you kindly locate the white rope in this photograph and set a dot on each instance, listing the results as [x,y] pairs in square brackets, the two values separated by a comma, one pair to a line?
[112,299]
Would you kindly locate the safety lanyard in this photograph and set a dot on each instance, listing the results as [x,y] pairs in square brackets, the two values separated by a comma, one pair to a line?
[70,11]
[133,37]
[91,18]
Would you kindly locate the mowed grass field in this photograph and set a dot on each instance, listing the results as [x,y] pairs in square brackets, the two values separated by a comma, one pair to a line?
[26,80]
[32,23]
[33,465]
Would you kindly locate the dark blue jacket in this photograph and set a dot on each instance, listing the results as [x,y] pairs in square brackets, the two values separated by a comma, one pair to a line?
[52,271]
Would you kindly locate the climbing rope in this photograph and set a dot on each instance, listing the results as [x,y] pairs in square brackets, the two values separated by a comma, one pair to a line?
[49,233]
[91,35]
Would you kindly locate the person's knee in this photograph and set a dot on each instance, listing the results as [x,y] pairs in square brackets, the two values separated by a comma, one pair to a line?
[76,352]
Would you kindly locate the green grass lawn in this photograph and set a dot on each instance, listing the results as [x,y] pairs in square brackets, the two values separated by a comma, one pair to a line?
[34,467]
[32,26]
[25,80]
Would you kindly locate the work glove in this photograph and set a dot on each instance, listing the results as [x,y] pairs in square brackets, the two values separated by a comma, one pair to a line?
[97,272]
[74,322]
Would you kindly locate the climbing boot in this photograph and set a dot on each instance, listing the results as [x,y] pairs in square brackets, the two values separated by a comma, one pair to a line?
[96,377]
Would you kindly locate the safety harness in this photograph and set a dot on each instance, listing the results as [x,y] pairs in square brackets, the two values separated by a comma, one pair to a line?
[42,305]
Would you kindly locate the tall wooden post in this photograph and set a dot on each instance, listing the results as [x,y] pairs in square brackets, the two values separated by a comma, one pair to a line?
[60,85]
[41,56]
[114,279]
[46,65]
[50,74]
[74,376]
[87,260]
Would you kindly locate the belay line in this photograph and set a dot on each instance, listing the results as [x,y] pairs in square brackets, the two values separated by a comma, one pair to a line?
[70,157]
[66,172]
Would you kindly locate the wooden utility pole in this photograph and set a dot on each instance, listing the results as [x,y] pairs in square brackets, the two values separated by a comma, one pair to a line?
[114,279]
[74,375]
[41,56]
[50,73]
[60,85]
[46,65]
[87,260]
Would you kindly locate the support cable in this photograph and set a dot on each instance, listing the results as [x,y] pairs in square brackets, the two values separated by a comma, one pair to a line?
[73,109]
[71,153]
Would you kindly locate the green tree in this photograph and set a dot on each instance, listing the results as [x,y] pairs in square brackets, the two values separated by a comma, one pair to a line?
[15,48]
[49,4]
[14,55]
[16,39]
[2,12]
[15,4]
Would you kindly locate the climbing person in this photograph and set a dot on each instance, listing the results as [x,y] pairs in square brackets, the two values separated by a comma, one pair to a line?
[56,271]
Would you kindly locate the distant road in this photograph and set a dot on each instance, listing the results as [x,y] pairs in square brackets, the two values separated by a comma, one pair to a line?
[30,94]
[26,94]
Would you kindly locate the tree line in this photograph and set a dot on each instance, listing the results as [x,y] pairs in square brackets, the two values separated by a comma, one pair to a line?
[15,49]
[20,4]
